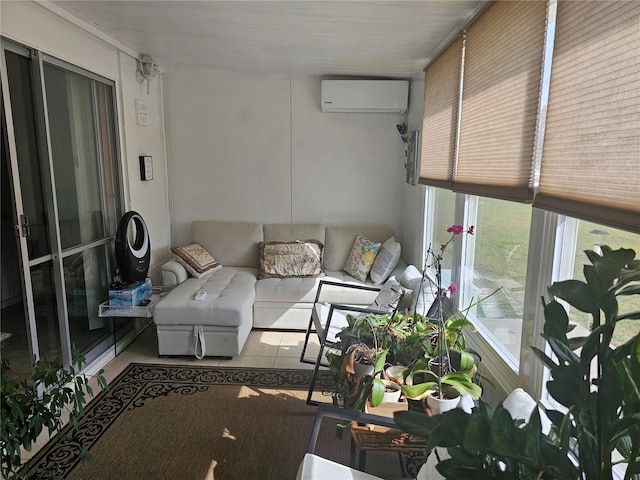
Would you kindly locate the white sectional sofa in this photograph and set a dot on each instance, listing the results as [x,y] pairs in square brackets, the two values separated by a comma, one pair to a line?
[237,300]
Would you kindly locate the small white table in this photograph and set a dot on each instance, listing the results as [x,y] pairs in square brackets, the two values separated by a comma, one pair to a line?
[141,311]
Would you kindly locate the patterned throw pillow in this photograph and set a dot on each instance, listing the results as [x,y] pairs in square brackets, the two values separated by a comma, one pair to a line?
[290,259]
[196,259]
[361,258]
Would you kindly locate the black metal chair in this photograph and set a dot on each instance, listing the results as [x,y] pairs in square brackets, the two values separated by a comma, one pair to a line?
[327,320]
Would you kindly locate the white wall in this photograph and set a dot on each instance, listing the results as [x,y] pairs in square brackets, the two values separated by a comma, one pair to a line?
[45,27]
[148,198]
[260,149]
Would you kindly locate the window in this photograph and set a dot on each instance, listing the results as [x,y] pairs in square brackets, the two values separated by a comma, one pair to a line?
[522,113]
[496,261]
[441,206]
[519,250]
[590,236]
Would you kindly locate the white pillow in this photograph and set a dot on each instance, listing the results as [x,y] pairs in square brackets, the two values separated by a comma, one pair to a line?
[385,261]
[520,406]
[411,278]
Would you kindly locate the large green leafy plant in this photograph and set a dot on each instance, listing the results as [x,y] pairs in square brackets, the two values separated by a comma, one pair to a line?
[25,413]
[596,386]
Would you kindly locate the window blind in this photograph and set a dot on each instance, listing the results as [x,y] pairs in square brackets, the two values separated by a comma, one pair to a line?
[591,153]
[501,87]
[440,121]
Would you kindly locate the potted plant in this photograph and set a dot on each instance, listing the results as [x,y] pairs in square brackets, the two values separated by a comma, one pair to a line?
[596,386]
[442,391]
[449,370]
[373,341]
[25,414]
[425,344]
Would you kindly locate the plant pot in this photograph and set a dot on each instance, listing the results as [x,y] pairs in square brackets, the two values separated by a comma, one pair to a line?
[362,369]
[394,373]
[439,405]
[392,392]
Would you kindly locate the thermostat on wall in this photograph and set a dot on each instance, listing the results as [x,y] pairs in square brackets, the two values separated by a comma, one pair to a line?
[142,112]
[146,167]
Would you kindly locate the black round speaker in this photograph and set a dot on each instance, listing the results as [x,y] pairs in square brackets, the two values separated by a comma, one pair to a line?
[132,258]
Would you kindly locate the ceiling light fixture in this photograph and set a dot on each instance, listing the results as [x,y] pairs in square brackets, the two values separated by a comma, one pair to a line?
[147,69]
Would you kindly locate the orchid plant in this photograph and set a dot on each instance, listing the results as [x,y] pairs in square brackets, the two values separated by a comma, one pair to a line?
[460,380]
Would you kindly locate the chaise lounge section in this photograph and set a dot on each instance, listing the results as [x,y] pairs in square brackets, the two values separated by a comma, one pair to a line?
[238,300]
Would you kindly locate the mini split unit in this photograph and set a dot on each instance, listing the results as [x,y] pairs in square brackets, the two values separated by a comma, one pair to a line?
[364,96]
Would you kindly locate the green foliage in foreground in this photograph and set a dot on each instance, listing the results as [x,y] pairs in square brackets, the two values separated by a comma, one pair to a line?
[25,415]
[598,387]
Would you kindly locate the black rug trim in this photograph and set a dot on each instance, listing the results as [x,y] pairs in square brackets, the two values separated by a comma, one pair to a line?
[141,382]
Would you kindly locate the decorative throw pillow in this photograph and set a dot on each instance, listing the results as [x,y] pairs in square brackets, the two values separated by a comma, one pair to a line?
[361,258]
[392,295]
[196,259]
[290,259]
[386,260]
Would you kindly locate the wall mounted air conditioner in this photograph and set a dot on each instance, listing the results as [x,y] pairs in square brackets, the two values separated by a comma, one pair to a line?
[364,96]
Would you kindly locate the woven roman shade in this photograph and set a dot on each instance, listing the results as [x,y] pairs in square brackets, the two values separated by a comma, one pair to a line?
[591,154]
[440,121]
[501,86]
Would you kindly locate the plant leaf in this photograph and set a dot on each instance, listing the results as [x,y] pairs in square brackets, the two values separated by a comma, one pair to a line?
[577,293]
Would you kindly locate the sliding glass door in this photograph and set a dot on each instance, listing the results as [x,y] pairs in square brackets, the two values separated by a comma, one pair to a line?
[60,164]
[82,144]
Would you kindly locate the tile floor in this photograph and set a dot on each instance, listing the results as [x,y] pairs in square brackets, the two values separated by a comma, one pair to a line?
[267,349]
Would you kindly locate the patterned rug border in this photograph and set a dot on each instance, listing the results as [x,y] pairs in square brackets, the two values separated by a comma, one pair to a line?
[140,382]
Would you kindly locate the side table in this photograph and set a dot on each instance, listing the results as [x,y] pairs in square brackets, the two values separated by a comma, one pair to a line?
[374,436]
[370,437]
[112,311]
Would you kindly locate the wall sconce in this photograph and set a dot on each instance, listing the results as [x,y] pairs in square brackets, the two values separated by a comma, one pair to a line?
[147,69]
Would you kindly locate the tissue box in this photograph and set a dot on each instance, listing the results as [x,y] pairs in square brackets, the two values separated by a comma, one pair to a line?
[132,295]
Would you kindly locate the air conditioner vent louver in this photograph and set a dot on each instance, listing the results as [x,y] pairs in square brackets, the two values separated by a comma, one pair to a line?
[364,96]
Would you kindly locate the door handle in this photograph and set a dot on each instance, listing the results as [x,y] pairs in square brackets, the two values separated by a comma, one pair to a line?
[26,227]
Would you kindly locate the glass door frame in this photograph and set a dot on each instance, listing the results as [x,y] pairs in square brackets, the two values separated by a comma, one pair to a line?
[56,255]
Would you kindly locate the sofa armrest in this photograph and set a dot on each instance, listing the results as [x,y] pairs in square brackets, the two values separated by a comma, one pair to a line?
[173,274]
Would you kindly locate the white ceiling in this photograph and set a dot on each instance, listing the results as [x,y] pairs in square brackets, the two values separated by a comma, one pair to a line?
[289,38]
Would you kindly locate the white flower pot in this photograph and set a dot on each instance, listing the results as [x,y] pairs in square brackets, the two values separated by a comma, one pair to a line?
[391,396]
[440,405]
[394,373]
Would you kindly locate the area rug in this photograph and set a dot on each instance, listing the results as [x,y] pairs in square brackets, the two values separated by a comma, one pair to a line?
[201,423]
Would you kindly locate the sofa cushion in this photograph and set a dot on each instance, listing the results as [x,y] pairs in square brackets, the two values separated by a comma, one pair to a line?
[288,232]
[363,253]
[304,289]
[339,242]
[290,259]
[195,259]
[385,261]
[233,244]
[230,294]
